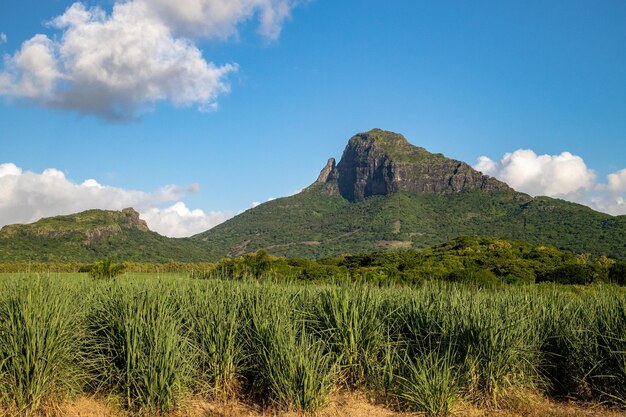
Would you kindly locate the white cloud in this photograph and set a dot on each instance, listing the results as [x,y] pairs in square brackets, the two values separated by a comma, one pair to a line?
[28,196]
[607,203]
[118,65]
[551,175]
[91,183]
[563,176]
[179,221]
[486,166]
[114,66]
[256,204]
[220,18]
[9,169]
[617,181]
[3,37]
[33,71]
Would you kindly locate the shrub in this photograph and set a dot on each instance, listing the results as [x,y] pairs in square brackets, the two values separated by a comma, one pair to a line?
[569,274]
[105,269]
[617,273]
[474,276]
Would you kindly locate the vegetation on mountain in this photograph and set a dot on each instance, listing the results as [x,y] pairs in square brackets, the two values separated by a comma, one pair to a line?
[481,261]
[313,224]
[92,235]
[388,194]
[384,194]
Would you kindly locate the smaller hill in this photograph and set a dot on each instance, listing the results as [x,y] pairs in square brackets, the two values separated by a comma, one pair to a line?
[91,235]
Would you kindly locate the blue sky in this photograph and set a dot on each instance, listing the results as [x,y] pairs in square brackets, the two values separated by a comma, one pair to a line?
[468,79]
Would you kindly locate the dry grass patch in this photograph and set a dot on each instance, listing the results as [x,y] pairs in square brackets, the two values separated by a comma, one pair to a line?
[341,405]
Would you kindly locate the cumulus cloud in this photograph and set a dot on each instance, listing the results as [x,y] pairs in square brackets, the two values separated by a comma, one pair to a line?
[614,204]
[179,221]
[563,176]
[118,65]
[552,175]
[28,196]
[114,66]
[617,181]
[220,18]
[9,169]
[3,37]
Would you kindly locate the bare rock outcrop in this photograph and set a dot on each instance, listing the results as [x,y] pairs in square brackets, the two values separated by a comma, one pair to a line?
[381,163]
[132,220]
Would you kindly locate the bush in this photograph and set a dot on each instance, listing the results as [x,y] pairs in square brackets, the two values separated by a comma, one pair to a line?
[569,274]
[617,273]
[104,269]
[474,276]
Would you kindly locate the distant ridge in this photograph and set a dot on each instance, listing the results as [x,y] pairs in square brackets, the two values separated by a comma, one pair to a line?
[91,235]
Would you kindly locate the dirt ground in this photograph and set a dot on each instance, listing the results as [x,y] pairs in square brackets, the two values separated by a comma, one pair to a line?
[343,404]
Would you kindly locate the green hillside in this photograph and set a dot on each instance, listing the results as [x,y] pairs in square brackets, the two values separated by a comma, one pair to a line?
[91,235]
[388,194]
[384,194]
[314,224]
[485,261]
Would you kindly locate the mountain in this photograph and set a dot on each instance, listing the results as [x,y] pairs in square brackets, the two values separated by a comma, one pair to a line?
[383,194]
[386,193]
[382,163]
[91,235]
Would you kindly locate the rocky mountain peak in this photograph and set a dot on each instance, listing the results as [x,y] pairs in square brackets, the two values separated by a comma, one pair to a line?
[132,219]
[380,137]
[327,172]
[379,162]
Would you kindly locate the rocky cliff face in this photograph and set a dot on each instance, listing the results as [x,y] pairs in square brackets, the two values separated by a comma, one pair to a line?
[131,220]
[380,163]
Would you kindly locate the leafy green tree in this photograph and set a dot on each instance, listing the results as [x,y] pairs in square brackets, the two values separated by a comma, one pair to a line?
[569,274]
[106,269]
[617,273]
[260,263]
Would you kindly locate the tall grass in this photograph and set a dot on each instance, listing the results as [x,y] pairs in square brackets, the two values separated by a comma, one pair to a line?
[348,319]
[428,383]
[215,322]
[488,337]
[290,367]
[152,342]
[41,332]
[499,343]
[142,350]
[584,343]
